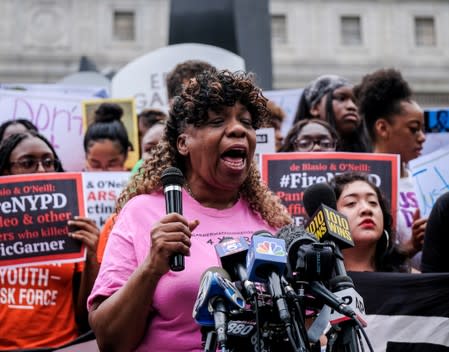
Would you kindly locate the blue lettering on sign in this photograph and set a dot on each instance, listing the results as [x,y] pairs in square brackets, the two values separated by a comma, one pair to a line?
[429,197]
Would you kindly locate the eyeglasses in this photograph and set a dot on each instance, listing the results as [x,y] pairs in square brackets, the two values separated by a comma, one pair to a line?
[308,144]
[31,164]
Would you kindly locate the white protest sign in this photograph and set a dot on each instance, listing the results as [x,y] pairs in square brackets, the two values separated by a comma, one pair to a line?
[57,116]
[287,100]
[144,78]
[101,190]
[62,88]
[435,141]
[265,143]
[431,177]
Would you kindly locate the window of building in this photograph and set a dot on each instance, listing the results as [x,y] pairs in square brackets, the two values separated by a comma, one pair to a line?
[279,29]
[425,31]
[124,26]
[351,30]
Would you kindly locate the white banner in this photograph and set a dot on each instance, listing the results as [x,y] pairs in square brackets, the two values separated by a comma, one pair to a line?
[57,116]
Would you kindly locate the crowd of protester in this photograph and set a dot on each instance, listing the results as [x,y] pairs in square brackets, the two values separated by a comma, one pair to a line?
[209,134]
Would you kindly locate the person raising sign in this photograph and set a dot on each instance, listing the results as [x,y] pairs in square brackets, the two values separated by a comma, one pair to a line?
[210,136]
[49,321]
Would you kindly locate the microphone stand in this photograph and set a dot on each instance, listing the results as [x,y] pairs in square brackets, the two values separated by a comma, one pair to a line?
[347,338]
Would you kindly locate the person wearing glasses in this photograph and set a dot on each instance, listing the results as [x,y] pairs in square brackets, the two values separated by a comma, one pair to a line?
[312,135]
[60,315]
[106,142]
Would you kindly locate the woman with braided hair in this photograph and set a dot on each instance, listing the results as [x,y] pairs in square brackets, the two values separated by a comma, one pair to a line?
[139,304]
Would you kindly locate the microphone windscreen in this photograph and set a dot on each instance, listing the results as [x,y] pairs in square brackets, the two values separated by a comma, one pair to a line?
[172,176]
[289,233]
[317,194]
[263,233]
[295,236]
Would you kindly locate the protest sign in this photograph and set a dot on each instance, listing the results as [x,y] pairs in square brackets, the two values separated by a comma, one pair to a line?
[435,141]
[101,190]
[430,175]
[288,101]
[129,119]
[436,120]
[58,89]
[56,116]
[289,174]
[34,210]
[265,142]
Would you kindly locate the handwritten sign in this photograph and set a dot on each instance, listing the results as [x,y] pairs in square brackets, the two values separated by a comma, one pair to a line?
[431,178]
[58,89]
[289,174]
[34,210]
[57,117]
[101,190]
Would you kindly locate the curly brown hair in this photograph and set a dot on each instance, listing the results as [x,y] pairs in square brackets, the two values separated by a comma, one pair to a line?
[210,90]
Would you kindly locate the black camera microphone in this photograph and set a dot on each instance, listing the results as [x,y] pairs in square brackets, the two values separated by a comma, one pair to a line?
[330,226]
[307,259]
[172,180]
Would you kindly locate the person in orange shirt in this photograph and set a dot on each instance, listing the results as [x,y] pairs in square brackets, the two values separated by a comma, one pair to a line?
[44,305]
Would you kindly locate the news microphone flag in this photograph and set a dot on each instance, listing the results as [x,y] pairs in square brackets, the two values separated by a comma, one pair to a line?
[265,251]
[232,251]
[329,225]
[215,283]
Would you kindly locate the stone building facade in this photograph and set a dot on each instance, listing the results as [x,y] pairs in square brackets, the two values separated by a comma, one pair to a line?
[42,41]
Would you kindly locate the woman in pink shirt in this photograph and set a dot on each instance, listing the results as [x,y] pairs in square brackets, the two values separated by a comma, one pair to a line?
[137,302]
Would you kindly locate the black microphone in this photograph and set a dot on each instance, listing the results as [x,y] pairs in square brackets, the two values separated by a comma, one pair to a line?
[330,226]
[331,299]
[307,259]
[327,224]
[172,180]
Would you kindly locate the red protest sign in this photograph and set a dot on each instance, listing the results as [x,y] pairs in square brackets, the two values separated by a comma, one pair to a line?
[289,174]
[34,210]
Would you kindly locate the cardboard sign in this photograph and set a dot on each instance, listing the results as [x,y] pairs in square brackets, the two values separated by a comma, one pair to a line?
[56,116]
[289,174]
[34,210]
[431,178]
[101,190]
[129,119]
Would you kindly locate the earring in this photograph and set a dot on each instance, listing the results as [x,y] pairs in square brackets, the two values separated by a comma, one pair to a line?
[387,237]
